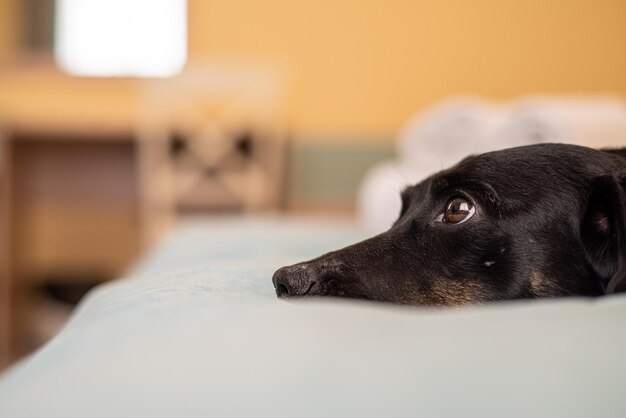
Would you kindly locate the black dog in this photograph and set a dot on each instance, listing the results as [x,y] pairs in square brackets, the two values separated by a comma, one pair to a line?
[538,221]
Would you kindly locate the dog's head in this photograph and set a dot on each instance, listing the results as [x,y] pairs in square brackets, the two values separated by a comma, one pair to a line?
[537,221]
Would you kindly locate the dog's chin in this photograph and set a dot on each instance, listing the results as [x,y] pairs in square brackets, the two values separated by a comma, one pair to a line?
[338,296]
[350,290]
[333,292]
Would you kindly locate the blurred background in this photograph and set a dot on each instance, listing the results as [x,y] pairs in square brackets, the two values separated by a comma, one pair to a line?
[119,117]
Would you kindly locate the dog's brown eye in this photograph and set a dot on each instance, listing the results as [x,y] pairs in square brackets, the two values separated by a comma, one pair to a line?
[458,210]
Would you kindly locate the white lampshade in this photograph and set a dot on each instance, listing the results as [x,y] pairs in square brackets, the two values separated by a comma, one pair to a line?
[118,38]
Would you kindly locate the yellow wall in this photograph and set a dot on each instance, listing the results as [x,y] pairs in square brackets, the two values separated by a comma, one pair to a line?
[359,68]
[8,27]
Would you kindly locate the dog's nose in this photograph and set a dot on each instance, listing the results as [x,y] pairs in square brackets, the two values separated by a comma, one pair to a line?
[294,280]
[280,282]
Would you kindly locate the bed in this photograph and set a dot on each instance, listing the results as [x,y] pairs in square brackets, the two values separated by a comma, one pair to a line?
[195,330]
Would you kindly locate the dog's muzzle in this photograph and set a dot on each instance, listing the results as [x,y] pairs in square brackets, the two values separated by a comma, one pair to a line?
[332,274]
[297,280]
[328,275]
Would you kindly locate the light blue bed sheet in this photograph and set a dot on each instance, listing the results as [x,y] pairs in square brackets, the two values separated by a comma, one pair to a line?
[196,331]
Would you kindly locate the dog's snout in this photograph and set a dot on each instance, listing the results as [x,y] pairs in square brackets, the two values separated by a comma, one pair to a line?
[281,282]
[296,280]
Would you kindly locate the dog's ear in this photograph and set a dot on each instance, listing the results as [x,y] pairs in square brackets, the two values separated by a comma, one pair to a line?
[603,231]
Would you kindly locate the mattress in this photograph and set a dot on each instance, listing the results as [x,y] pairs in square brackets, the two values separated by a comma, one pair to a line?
[194,330]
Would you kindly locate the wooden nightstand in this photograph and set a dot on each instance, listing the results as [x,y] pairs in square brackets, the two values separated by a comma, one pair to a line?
[94,170]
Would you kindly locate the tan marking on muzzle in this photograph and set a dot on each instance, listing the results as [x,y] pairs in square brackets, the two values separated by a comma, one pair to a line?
[541,285]
[448,292]
[536,283]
